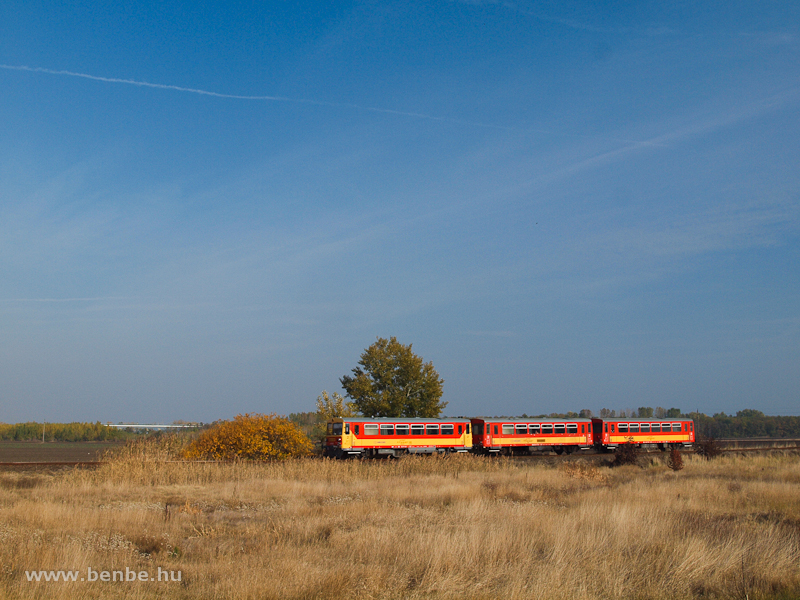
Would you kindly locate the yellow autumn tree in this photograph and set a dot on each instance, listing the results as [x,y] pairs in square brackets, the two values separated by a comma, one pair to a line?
[251,437]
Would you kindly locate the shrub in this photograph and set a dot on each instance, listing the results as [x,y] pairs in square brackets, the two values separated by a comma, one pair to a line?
[626,454]
[708,447]
[675,460]
[252,437]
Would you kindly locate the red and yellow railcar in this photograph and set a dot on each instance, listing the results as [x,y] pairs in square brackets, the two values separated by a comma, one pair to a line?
[661,433]
[509,436]
[362,436]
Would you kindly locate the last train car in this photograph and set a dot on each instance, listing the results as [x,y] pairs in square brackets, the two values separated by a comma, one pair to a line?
[526,435]
[643,432]
[362,436]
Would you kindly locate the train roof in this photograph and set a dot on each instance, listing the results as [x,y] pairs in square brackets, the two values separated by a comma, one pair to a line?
[648,419]
[402,419]
[531,420]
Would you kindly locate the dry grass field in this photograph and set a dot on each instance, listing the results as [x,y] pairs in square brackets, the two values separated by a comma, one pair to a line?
[453,527]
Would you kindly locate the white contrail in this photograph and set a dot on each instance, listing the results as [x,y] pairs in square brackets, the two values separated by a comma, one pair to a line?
[160,86]
[178,88]
[386,111]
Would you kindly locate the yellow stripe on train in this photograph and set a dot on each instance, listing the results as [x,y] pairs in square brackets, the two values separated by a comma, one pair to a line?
[527,441]
[648,439]
[349,441]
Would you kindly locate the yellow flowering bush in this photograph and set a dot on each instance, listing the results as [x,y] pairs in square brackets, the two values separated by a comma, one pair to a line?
[250,436]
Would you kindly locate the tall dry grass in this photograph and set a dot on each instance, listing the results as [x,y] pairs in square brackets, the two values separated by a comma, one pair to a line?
[421,527]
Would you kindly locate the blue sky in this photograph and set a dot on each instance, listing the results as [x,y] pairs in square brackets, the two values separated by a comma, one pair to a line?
[213,208]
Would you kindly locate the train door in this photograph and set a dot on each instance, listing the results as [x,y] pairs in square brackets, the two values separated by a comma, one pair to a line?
[597,431]
[477,434]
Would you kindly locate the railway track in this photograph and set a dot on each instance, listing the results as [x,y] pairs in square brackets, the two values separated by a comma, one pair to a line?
[49,465]
[746,445]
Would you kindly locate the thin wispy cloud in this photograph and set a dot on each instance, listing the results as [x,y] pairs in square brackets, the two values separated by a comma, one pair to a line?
[61,300]
[720,228]
[680,135]
[575,24]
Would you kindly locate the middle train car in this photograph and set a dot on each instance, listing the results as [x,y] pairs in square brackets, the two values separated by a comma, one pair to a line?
[518,435]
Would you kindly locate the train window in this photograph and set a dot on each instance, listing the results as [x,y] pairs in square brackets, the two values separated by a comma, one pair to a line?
[686,427]
[336,429]
[347,428]
[495,429]
[370,429]
[691,427]
[634,428]
[547,430]
[612,428]
[508,429]
[623,428]
[645,427]
[468,428]
[356,429]
[606,427]
[401,429]
[477,429]
[560,428]
[534,429]
[521,429]
[583,428]
[387,429]
[431,429]
[676,427]
[572,428]
[417,429]
[459,429]
[656,427]
[447,430]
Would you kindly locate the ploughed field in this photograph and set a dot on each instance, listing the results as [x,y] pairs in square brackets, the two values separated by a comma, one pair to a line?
[449,527]
[54,452]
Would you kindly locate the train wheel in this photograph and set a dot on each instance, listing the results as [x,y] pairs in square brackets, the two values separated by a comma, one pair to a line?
[559,450]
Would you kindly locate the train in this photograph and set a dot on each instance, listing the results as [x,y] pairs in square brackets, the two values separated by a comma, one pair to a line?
[353,437]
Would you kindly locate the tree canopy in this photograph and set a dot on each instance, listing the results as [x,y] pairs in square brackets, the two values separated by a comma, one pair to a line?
[392,381]
[331,407]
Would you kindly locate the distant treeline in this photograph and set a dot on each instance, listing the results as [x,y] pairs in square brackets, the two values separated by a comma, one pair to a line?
[746,423]
[62,432]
